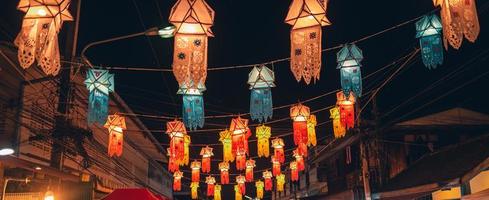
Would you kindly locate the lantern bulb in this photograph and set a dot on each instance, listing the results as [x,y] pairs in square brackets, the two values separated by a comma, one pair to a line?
[42,12]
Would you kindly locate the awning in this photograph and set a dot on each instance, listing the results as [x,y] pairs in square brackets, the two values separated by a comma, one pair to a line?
[133,194]
[484,194]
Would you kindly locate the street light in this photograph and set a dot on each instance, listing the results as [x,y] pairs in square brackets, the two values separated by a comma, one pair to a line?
[6,151]
[49,195]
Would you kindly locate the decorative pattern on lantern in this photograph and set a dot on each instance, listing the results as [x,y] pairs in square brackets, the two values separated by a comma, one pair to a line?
[276,166]
[194,187]
[428,30]
[240,180]
[210,185]
[237,193]
[241,159]
[227,145]
[280,182]
[261,81]
[459,19]
[306,18]
[195,166]
[311,130]
[349,58]
[299,160]
[193,105]
[240,134]
[300,114]
[294,171]
[206,154]
[267,176]
[224,167]
[217,192]
[278,149]
[38,38]
[339,129]
[250,164]
[99,84]
[115,124]
[177,133]
[347,109]
[263,134]
[259,189]
[177,181]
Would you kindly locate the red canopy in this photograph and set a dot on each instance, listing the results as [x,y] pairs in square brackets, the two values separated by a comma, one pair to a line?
[132,194]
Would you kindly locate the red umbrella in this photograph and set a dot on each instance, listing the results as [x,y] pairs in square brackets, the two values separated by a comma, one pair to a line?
[132,194]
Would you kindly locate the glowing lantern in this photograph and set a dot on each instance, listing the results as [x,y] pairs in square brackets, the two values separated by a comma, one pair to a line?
[99,83]
[263,134]
[241,159]
[224,167]
[193,105]
[250,164]
[261,80]
[299,114]
[177,133]
[240,180]
[227,145]
[299,160]
[210,185]
[306,18]
[259,189]
[267,176]
[38,38]
[294,171]
[428,30]
[195,166]
[237,193]
[194,187]
[240,134]
[206,154]
[172,163]
[116,124]
[186,154]
[349,58]
[177,181]
[339,129]
[275,166]
[217,192]
[347,109]
[311,130]
[280,182]
[278,149]
[459,19]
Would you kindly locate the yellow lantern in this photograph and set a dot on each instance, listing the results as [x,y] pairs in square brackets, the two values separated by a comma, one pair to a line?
[237,193]
[259,189]
[338,129]
[194,187]
[217,192]
[38,38]
[227,145]
[306,18]
[263,134]
[311,130]
[280,182]
[116,124]
[186,155]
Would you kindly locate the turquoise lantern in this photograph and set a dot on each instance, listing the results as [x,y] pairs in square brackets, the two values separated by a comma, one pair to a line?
[349,58]
[99,83]
[261,81]
[193,105]
[428,30]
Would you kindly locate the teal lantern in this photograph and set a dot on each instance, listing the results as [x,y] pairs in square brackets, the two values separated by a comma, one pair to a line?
[349,58]
[261,81]
[193,105]
[99,83]
[428,30]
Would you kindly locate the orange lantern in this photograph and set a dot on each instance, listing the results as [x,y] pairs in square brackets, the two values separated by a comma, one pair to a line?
[172,164]
[275,166]
[294,171]
[278,149]
[237,193]
[241,159]
[299,114]
[263,133]
[224,167]
[227,145]
[210,185]
[240,134]
[338,129]
[115,124]
[306,18]
[240,180]
[347,109]
[177,133]
[177,181]
[267,176]
[195,166]
[217,192]
[259,189]
[194,187]
[280,182]
[299,159]
[250,164]
[206,154]
[311,130]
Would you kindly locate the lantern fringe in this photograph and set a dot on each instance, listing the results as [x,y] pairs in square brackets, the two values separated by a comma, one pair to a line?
[193,111]
[261,107]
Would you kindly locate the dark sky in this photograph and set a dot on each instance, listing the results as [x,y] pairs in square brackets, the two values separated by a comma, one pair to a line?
[253,31]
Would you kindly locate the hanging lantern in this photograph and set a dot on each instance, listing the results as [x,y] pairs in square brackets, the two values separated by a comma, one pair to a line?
[299,114]
[193,105]
[306,18]
[240,134]
[428,30]
[195,166]
[259,189]
[224,167]
[250,164]
[347,109]
[186,152]
[338,129]
[237,193]
[116,124]
[263,134]
[38,38]
[294,171]
[194,187]
[206,154]
[299,159]
[177,133]
[240,180]
[217,192]
[99,83]
[275,166]
[241,159]
[278,149]
[311,130]
[349,58]
[459,19]
[261,81]
[267,176]
[177,181]
[210,185]
[172,163]
[280,182]
[227,145]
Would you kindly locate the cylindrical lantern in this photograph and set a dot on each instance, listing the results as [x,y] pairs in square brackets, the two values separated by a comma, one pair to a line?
[237,193]
[240,180]
[261,80]
[227,145]
[186,145]
[224,167]
[115,124]
[194,187]
[210,185]
[267,176]
[259,189]
[428,30]
[172,164]
[177,133]
[240,134]
[275,166]
[311,130]
[206,154]
[217,192]
[299,159]
[347,109]
[278,149]
[241,160]
[338,129]
[263,134]
[195,166]
[299,114]
[177,181]
[280,182]
[250,164]
[349,58]
[294,171]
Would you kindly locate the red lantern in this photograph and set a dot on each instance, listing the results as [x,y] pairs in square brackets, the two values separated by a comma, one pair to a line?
[177,181]
[267,176]
[240,134]
[206,154]
[195,166]
[240,180]
[177,132]
[210,185]
[299,114]
[116,124]
[347,109]
[278,149]
[250,164]
[294,172]
[299,159]
[224,167]
[275,166]
[241,159]
[302,148]
[172,164]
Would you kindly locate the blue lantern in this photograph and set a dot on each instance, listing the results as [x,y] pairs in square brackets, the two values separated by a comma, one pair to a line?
[261,80]
[193,105]
[349,58]
[99,83]
[428,30]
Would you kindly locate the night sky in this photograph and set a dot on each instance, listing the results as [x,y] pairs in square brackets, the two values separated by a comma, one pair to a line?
[253,31]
